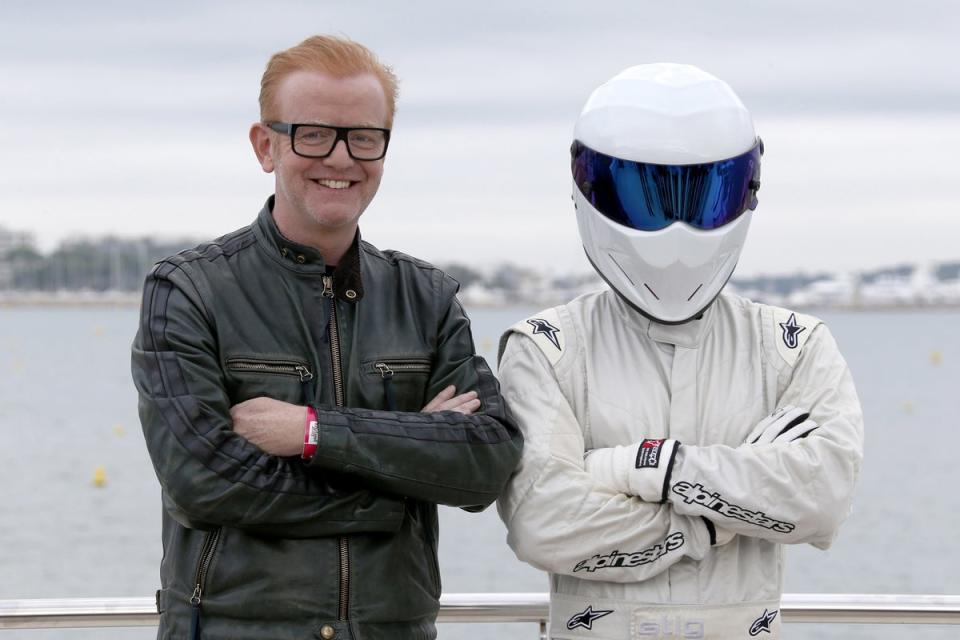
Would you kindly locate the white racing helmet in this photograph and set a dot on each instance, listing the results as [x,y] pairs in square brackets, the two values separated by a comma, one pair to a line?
[666,166]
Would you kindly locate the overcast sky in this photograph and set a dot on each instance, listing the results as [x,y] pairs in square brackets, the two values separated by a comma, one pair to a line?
[131,118]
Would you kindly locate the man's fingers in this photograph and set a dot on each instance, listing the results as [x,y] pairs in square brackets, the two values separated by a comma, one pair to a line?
[453,403]
[464,403]
[440,398]
[467,408]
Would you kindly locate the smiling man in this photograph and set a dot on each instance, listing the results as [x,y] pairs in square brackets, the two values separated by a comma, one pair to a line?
[307,399]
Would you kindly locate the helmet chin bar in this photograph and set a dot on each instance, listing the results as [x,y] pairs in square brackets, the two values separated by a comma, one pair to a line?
[647,314]
[646,285]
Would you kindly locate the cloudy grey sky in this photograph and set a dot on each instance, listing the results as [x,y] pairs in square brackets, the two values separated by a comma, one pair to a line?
[131,118]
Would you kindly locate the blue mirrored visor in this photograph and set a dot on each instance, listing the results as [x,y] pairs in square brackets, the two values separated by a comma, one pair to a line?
[648,197]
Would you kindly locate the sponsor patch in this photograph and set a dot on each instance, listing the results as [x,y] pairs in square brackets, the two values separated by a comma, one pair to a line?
[791,330]
[547,330]
[648,455]
[762,624]
[644,625]
[615,559]
[586,618]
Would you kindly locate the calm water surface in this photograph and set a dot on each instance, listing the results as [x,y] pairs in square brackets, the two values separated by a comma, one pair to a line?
[68,407]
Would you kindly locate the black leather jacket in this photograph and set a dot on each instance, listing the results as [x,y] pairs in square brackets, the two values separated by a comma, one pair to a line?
[345,546]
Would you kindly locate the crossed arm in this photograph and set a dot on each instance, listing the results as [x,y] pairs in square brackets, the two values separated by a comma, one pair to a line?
[212,475]
[276,427]
[560,510]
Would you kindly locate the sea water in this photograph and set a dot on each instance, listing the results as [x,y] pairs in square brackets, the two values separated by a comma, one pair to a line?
[80,505]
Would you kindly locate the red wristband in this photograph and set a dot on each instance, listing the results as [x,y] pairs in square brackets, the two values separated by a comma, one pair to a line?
[311,434]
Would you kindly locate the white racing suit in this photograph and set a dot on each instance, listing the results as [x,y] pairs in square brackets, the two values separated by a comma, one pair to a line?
[707,562]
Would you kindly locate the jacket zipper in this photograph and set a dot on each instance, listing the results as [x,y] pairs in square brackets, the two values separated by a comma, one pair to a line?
[206,556]
[282,367]
[388,368]
[338,397]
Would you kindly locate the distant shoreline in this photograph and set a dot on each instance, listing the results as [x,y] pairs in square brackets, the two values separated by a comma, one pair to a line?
[130,300]
[43,299]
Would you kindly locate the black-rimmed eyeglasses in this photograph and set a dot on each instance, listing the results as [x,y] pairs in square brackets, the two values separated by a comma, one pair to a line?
[319,140]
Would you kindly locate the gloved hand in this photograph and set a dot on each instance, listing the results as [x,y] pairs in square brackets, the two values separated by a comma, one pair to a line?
[783,425]
[641,469]
[607,467]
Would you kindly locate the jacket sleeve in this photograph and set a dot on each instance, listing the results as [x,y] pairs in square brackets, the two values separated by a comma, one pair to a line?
[209,475]
[557,518]
[444,457]
[790,492]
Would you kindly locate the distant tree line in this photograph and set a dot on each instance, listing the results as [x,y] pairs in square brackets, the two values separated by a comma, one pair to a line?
[105,264]
[118,264]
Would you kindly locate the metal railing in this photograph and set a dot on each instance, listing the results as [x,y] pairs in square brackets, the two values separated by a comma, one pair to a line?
[500,607]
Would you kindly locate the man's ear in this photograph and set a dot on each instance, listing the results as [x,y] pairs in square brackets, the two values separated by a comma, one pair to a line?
[261,140]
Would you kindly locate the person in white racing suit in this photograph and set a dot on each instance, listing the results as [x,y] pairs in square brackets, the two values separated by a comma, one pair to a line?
[676,436]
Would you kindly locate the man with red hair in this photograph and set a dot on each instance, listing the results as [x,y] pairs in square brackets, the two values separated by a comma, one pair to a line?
[308,399]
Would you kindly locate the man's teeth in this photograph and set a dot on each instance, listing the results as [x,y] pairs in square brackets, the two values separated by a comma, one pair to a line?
[335,184]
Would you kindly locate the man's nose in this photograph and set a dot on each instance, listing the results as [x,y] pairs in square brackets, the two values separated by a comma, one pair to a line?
[340,156]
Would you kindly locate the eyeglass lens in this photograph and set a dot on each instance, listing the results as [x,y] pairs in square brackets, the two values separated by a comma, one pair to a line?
[313,140]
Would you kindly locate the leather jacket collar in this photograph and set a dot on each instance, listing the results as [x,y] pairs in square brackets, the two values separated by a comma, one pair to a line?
[347,280]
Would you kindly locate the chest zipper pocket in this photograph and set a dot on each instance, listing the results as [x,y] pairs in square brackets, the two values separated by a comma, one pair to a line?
[276,367]
[269,366]
[389,368]
[206,557]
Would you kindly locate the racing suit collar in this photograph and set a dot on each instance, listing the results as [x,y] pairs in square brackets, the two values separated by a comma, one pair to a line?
[687,335]
[347,281]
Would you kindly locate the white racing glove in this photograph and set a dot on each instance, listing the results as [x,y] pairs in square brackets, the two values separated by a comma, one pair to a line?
[615,467]
[783,425]
[641,469]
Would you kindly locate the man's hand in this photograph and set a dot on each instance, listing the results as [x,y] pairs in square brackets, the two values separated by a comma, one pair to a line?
[274,426]
[446,400]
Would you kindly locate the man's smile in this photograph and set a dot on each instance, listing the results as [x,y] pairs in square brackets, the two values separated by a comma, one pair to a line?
[333,184]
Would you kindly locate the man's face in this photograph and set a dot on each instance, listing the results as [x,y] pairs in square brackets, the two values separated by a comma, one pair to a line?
[316,195]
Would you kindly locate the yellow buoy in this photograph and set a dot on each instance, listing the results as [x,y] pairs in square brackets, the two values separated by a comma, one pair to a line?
[99,477]
[908,407]
[119,430]
[936,358]
[99,331]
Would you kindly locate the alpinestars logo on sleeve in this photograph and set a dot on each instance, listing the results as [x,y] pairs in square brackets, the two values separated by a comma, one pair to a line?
[697,494]
[790,331]
[616,560]
[763,622]
[542,326]
[586,618]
